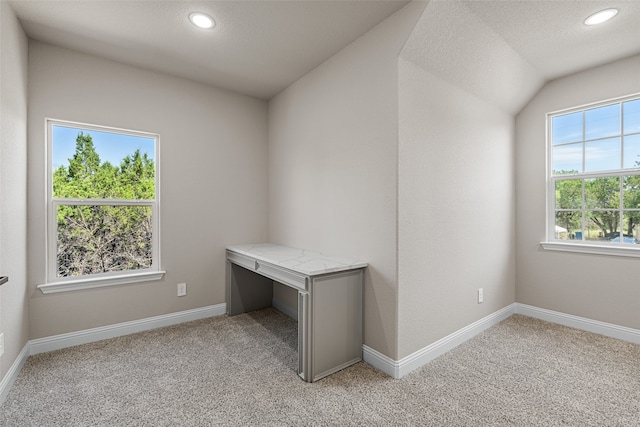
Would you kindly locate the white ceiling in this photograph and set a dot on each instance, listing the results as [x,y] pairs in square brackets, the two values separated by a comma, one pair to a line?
[257,47]
[260,47]
[552,37]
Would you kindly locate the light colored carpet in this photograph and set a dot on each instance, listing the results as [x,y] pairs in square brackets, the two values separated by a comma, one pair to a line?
[241,371]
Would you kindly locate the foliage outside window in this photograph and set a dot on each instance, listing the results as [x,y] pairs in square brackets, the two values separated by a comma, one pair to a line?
[594,179]
[103,205]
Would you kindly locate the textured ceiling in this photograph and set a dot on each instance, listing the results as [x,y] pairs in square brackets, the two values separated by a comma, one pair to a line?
[257,47]
[476,59]
[552,37]
[260,47]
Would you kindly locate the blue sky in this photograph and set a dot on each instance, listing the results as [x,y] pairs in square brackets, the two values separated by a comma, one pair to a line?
[599,130]
[111,147]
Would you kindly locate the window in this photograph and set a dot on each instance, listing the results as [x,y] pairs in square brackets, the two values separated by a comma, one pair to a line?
[103,214]
[594,175]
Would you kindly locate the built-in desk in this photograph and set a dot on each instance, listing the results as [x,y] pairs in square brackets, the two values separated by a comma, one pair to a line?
[329,300]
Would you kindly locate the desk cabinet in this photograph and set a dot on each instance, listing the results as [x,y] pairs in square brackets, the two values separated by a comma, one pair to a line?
[329,300]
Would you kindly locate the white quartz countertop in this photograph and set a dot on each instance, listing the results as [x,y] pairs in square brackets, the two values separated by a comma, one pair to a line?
[309,263]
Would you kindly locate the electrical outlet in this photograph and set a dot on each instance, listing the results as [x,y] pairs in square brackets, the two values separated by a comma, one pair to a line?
[182,289]
[480,296]
[1,344]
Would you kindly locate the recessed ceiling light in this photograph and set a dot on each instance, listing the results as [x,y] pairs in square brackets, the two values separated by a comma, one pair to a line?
[202,20]
[600,17]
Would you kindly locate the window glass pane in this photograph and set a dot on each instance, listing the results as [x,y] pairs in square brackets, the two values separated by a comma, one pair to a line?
[631,188]
[567,159]
[602,225]
[569,194]
[631,227]
[602,155]
[602,122]
[602,193]
[100,239]
[589,147]
[631,111]
[566,128]
[568,225]
[93,164]
[632,151]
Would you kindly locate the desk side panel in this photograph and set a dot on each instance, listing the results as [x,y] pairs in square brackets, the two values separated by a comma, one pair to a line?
[337,322]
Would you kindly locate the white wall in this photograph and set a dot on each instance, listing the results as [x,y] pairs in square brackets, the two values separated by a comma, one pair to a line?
[213,154]
[14,322]
[333,165]
[603,288]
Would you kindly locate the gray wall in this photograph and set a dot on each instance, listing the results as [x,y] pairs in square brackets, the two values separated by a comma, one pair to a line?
[13,187]
[333,139]
[459,86]
[213,154]
[598,287]
[456,209]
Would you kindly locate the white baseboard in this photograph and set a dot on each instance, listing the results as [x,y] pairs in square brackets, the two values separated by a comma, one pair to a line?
[56,342]
[381,362]
[400,368]
[582,323]
[14,371]
[393,368]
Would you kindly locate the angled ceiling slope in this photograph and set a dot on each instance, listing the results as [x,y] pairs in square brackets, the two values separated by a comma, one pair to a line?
[257,47]
[453,44]
[552,36]
[504,51]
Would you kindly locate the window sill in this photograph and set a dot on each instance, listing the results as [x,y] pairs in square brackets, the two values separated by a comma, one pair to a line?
[593,249]
[99,282]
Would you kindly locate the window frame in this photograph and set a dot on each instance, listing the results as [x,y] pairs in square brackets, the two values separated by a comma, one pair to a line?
[585,246]
[62,284]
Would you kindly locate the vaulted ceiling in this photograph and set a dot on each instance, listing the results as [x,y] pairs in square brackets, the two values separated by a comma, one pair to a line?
[260,47]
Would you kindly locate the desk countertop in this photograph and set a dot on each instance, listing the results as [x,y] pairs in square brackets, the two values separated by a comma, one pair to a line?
[309,263]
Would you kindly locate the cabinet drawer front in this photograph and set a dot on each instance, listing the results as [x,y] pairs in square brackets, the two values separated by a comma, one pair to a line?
[279,274]
[241,260]
[282,275]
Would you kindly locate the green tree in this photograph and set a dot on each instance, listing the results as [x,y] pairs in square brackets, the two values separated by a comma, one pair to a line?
[569,204]
[602,199]
[101,238]
[631,200]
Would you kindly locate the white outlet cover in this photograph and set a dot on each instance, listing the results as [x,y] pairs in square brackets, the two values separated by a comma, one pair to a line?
[182,289]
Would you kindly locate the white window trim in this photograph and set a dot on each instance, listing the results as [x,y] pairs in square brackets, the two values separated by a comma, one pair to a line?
[577,246]
[591,248]
[53,283]
[100,281]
